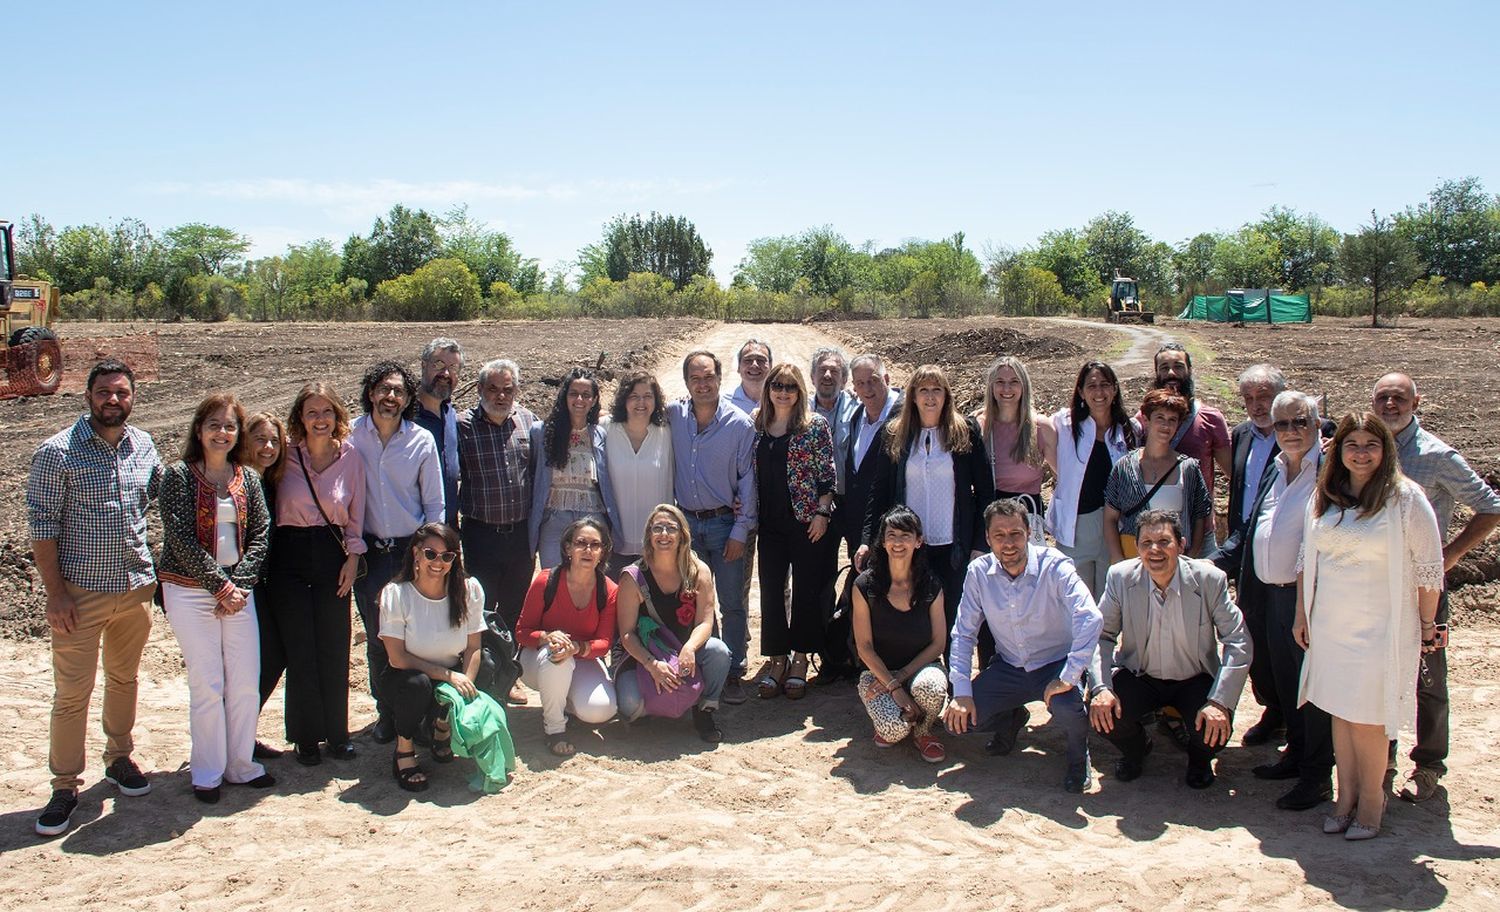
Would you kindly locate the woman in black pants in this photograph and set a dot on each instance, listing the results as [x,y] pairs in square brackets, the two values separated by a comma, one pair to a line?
[267,449]
[794,477]
[932,460]
[315,552]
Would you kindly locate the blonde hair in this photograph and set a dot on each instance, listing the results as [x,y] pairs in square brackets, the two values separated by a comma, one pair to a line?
[1025,450]
[687,561]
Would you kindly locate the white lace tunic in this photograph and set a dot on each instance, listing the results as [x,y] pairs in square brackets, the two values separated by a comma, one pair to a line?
[1360,578]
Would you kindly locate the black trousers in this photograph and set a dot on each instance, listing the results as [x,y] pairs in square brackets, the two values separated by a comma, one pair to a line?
[940,561]
[1254,599]
[314,625]
[409,694]
[1141,694]
[500,558]
[272,655]
[1431,749]
[784,548]
[1309,730]
[381,565]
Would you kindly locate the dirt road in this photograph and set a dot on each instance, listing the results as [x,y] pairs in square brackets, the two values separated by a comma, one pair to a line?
[792,342]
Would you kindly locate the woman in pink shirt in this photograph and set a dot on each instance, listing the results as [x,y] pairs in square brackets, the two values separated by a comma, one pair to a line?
[316,549]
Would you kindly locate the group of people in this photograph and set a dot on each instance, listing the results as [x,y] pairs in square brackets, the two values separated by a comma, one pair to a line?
[613,551]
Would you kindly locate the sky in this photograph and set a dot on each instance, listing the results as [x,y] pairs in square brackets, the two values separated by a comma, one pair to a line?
[294,121]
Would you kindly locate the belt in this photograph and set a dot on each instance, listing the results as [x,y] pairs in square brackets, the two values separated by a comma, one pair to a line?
[1280,585]
[502,528]
[387,545]
[708,514]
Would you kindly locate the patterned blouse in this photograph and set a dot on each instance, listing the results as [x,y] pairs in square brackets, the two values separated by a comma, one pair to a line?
[189,518]
[810,469]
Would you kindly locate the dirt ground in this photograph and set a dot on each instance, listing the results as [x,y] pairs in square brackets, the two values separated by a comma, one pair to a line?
[796,810]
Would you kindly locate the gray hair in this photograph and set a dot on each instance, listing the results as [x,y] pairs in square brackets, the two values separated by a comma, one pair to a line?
[1289,401]
[828,351]
[873,360]
[749,342]
[500,365]
[440,344]
[1263,373]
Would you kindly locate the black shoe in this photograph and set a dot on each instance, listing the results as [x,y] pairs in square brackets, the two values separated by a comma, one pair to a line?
[341,750]
[57,816]
[266,752]
[308,755]
[1128,767]
[127,777]
[707,725]
[1284,768]
[263,781]
[1004,739]
[1200,775]
[1171,725]
[1305,796]
[207,795]
[1263,732]
[384,730]
[734,689]
[1077,781]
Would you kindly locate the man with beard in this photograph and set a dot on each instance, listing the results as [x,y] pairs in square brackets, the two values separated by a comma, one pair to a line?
[442,362]
[86,499]
[403,490]
[1203,435]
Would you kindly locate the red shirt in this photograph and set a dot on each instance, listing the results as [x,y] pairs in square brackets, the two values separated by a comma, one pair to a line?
[1207,434]
[587,625]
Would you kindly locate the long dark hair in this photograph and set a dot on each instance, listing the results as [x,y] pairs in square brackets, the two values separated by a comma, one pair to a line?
[458,580]
[559,424]
[901,519]
[1333,482]
[1080,409]
[620,414]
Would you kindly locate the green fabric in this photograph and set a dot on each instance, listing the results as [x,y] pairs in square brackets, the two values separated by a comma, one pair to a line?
[480,733]
[1239,308]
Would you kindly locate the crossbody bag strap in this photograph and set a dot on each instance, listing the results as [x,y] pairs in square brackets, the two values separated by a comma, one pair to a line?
[1154,488]
[332,529]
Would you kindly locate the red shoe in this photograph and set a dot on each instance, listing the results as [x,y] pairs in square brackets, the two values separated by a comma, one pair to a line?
[931,749]
[881,742]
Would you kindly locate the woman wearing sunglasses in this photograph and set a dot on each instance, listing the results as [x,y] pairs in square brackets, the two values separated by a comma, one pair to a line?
[794,477]
[566,627]
[431,618]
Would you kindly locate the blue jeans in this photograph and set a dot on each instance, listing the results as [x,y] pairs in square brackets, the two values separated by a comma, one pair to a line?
[709,538]
[713,663]
[1001,689]
[549,537]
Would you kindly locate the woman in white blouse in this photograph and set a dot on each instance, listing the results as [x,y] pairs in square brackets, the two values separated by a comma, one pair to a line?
[638,449]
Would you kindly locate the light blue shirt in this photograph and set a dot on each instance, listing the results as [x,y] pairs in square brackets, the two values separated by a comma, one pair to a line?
[1256,462]
[742,401]
[1042,616]
[713,467]
[403,478]
[837,416]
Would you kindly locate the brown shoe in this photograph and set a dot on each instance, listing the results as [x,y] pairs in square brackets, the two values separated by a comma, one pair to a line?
[1421,785]
[519,695]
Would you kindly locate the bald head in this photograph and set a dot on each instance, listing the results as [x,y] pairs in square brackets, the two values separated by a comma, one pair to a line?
[1395,400]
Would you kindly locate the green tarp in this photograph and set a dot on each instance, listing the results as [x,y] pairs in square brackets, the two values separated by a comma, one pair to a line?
[1246,308]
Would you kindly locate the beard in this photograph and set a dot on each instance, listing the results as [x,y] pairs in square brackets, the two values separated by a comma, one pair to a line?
[113,418]
[1184,386]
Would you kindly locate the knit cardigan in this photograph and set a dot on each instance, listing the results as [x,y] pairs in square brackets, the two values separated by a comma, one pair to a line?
[189,515]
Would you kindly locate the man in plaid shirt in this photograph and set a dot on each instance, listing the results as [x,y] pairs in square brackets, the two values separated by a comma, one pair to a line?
[86,497]
[1447,479]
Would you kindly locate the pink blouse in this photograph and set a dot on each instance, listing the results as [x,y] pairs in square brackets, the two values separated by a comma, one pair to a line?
[1010,476]
[341,491]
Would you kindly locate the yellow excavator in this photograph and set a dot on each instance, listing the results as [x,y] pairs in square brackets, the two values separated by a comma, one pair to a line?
[30,357]
[1125,302]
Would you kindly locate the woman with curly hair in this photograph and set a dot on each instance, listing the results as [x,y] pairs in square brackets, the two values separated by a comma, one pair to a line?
[638,446]
[572,479]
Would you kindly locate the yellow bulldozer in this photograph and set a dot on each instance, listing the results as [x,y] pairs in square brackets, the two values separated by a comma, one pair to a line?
[30,357]
[1125,302]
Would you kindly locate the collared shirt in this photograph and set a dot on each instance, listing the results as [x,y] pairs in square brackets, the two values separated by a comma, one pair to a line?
[91,498]
[715,466]
[495,466]
[742,401]
[930,487]
[443,426]
[839,409]
[838,428]
[1043,616]
[1444,475]
[1278,528]
[403,478]
[1166,655]
[1261,444]
[867,429]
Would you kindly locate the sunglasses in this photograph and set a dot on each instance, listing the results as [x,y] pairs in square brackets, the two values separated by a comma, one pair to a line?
[433,554]
[1300,423]
[665,529]
[780,387]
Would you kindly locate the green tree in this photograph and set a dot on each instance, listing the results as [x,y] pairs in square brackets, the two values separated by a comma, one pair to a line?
[490,255]
[771,263]
[1380,259]
[1193,264]
[1456,233]
[201,249]
[1306,248]
[312,274]
[1247,259]
[667,245]
[443,289]
[399,243]
[1065,254]
[36,247]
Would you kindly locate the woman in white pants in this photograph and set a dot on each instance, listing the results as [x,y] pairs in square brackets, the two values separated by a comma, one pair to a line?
[566,628]
[216,533]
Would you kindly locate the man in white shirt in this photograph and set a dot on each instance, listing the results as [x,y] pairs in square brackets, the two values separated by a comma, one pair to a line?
[1046,630]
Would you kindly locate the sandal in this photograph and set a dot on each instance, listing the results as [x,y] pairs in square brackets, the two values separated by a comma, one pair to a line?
[442,741]
[560,746]
[772,675]
[412,778]
[795,686]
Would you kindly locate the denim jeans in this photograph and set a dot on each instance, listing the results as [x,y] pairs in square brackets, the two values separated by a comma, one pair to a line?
[713,664]
[380,567]
[709,538]
[1001,688]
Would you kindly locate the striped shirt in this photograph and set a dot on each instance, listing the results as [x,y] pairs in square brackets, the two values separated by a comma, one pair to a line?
[496,466]
[92,498]
[1444,475]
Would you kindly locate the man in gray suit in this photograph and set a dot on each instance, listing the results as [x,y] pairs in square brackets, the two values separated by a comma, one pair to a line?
[1176,615]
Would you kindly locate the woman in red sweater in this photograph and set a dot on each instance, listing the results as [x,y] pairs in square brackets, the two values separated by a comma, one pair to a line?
[566,628]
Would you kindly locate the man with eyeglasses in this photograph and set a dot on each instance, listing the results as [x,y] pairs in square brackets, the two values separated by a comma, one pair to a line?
[442,363]
[1447,480]
[403,490]
[1267,551]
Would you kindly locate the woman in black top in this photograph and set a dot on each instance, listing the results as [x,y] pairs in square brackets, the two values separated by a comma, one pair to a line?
[267,444]
[900,631]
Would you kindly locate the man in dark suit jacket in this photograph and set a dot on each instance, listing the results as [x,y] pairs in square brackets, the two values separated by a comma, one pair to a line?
[876,402]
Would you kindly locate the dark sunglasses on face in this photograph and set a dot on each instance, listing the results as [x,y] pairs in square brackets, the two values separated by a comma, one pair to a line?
[433,554]
[1300,423]
[780,387]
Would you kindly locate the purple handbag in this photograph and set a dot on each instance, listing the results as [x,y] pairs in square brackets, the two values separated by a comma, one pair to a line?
[663,645]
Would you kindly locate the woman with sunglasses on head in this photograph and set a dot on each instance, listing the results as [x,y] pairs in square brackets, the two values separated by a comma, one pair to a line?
[572,479]
[638,445]
[267,457]
[431,621]
[675,589]
[566,628]
[1090,435]
[794,478]
[216,534]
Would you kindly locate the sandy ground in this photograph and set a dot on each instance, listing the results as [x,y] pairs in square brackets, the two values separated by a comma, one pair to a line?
[796,810]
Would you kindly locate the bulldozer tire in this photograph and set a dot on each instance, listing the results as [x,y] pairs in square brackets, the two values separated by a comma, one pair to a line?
[31,334]
[36,367]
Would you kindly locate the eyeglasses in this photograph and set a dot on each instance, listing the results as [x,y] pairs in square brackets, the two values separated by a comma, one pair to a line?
[665,529]
[1300,423]
[588,545]
[390,389]
[433,554]
[779,387]
[220,427]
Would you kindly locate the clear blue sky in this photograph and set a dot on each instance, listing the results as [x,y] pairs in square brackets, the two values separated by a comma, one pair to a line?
[887,121]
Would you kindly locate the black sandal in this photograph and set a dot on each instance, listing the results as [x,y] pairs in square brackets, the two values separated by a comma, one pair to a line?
[560,746]
[442,741]
[407,778]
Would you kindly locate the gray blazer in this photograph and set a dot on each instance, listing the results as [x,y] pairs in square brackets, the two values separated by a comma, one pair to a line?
[1205,600]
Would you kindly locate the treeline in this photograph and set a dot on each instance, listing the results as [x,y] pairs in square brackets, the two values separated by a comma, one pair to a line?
[1438,257]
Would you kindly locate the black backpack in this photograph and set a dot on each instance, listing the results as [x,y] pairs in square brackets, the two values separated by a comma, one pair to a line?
[499,660]
[838,659]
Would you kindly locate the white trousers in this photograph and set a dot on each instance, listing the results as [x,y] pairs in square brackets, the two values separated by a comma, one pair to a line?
[581,688]
[223,672]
